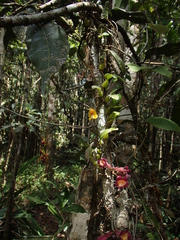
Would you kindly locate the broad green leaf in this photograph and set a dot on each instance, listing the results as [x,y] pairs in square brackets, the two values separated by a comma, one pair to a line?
[136,68]
[136,17]
[168,49]
[163,89]
[163,70]
[105,132]
[76,208]
[117,3]
[159,28]
[119,61]
[48,48]
[113,115]
[116,97]
[109,76]
[163,123]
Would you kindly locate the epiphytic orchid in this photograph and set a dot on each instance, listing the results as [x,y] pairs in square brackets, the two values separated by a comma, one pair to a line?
[121,182]
[92,114]
[103,163]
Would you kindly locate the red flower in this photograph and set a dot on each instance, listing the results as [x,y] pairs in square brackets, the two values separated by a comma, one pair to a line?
[105,236]
[124,235]
[121,182]
[122,170]
[103,163]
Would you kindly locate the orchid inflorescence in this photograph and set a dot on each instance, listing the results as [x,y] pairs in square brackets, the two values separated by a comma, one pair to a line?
[122,235]
[121,172]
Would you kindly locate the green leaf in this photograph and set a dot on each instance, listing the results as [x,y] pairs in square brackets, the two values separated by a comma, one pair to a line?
[116,97]
[136,17]
[163,70]
[48,48]
[99,89]
[76,208]
[117,3]
[163,89]
[168,49]
[119,61]
[163,123]
[53,210]
[136,68]
[159,28]
[113,115]
[173,36]
[150,236]
[108,76]
[105,132]
[105,84]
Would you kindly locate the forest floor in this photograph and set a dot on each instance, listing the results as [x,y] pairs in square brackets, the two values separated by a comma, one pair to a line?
[45,219]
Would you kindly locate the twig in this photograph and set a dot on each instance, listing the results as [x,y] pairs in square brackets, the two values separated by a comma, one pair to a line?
[44,122]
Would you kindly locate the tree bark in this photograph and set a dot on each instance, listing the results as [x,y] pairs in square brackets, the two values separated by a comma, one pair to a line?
[36,18]
[10,200]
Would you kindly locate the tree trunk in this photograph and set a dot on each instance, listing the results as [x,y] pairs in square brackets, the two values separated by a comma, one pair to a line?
[10,200]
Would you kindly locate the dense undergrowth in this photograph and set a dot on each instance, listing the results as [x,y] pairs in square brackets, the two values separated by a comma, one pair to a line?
[42,205]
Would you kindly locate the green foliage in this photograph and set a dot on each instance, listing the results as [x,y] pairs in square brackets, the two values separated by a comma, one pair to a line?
[21,217]
[105,133]
[135,17]
[51,46]
[168,49]
[163,123]
[159,28]
[163,70]
[119,62]
[23,113]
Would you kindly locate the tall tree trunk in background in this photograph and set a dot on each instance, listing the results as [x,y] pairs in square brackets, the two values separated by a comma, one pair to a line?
[2,54]
[10,199]
[49,130]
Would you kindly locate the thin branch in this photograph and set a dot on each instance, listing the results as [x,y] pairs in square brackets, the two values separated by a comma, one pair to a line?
[44,122]
[169,90]
[22,7]
[49,4]
[36,18]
